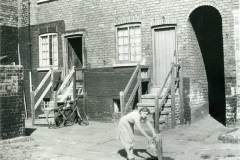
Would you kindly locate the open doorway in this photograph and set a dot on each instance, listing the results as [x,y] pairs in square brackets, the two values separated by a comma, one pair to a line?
[207,24]
[75,51]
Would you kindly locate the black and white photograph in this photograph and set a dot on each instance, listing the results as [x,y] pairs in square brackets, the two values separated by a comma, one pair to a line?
[119,80]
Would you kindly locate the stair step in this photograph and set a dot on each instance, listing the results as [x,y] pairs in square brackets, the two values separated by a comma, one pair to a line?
[41,116]
[152,96]
[144,104]
[152,104]
[41,121]
[165,112]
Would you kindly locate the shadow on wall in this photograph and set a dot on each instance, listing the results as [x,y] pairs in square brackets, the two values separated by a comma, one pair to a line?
[207,24]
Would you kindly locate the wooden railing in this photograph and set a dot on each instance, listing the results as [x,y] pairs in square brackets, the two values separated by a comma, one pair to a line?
[171,83]
[34,94]
[47,84]
[131,90]
[67,81]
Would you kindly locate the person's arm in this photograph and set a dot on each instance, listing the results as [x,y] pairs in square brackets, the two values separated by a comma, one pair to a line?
[151,128]
[139,126]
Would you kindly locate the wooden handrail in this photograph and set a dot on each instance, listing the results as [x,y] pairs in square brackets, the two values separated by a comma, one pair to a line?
[132,94]
[43,95]
[163,86]
[131,79]
[42,82]
[158,106]
[125,106]
[66,80]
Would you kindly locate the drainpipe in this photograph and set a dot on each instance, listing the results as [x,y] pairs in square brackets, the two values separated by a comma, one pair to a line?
[29,35]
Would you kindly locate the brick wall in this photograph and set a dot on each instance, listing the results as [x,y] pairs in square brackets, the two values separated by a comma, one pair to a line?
[9,30]
[11,102]
[9,44]
[9,13]
[102,86]
[236,13]
[98,19]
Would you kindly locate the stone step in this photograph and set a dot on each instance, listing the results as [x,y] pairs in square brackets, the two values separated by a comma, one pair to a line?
[151,107]
[152,104]
[152,96]
[152,101]
[41,121]
[45,116]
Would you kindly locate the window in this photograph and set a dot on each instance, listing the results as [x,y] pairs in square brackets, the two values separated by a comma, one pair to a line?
[129,43]
[48,50]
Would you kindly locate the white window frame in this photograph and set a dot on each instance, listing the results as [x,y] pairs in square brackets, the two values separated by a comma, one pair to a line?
[46,65]
[129,61]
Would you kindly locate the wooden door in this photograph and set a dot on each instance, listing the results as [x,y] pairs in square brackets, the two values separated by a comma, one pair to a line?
[164,54]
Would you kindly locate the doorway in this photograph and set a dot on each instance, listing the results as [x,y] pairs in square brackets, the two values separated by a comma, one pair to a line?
[75,52]
[164,45]
[207,25]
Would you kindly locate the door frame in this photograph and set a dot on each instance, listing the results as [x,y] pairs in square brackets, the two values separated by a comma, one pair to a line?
[65,38]
[162,27]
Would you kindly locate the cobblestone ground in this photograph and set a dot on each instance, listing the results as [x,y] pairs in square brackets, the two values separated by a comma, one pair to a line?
[98,142]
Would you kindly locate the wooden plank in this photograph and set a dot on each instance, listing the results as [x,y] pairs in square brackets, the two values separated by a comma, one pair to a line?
[180,90]
[74,83]
[131,79]
[122,103]
[42,82]
[157,110]
[133,94]
[66,80]
[173,112]
[140,86]
[159,147]
[43,95]
[32,107]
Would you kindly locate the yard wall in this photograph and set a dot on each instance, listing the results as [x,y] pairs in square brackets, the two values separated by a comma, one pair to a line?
[12,117]
[103,86]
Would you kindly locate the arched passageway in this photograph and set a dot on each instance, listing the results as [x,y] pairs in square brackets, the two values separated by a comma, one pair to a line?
[207,24]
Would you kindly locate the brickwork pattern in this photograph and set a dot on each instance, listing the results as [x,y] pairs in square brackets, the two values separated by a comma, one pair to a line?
[9,44]
[102,86]
[9,13]
[98,19]
[11,102]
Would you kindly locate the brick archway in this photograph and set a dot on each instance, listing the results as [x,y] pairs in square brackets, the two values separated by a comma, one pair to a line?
[207,25]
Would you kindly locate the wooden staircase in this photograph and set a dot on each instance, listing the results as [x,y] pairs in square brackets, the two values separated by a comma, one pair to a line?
[70,86]
[166,101]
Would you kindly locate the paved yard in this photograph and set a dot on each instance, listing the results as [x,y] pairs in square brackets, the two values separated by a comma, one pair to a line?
[98,142]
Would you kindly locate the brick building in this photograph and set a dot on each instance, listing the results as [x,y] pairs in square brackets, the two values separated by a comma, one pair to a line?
[12,113]
[108,38]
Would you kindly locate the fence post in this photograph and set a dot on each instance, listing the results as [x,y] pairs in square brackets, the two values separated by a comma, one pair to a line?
[173,109]
[74,83]
[32,107]
[140,85]
[180,90]
[122,103]
[84,91]
[156,122]
[32,98]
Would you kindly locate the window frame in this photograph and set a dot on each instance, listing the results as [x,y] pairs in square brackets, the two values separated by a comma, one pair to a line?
[40,55]
[129,61]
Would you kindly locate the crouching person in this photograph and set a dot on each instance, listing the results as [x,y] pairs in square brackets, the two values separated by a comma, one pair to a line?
[126,129]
